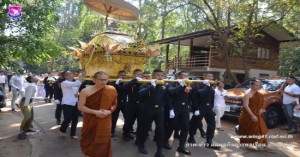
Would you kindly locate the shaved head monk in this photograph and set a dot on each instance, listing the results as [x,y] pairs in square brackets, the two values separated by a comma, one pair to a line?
[253,129]
[97,102]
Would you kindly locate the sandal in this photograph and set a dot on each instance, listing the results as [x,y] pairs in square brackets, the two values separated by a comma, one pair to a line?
[22,135]
[30,130]
[220,129]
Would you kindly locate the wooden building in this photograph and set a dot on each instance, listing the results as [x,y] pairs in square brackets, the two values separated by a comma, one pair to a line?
[203,57]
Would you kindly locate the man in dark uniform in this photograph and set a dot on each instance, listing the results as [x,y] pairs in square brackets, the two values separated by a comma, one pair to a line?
[180,98]
[58,97]
[133,105]
[202,132]
[122,99]
[154,98]
[85,83]
[203,101]
[49,81]
[9,75]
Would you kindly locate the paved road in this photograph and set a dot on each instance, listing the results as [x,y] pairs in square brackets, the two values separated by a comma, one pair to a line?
[47,143]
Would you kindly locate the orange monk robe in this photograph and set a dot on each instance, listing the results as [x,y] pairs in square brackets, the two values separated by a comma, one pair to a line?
[95,132]
[247,127]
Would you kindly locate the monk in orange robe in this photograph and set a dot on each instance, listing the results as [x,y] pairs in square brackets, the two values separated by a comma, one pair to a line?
[252,127]
[97,102]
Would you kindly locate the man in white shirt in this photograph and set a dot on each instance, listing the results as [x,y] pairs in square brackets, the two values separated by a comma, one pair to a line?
[27,108]
[69,102]
[17,83]
[291,96]
[2,79]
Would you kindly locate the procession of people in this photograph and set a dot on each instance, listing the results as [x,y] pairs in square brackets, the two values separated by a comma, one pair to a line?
[175,107]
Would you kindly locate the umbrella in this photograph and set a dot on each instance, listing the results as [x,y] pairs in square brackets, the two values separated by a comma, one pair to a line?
[114,9]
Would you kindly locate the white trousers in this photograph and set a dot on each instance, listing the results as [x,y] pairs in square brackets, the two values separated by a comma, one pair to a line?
[219,114]
[15,95]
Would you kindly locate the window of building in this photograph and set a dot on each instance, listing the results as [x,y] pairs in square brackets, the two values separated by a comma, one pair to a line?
[263,53]
[263,75]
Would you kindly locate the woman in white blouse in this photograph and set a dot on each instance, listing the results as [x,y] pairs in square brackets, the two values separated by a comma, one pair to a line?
[219,103]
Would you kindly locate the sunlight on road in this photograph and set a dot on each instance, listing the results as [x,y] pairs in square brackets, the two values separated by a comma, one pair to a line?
[291,150]
[79,124]
[15,125]
[54,127]
[43,105]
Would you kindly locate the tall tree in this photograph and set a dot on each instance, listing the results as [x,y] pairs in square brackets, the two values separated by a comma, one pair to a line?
[26,38]
[238,23]
[290,62]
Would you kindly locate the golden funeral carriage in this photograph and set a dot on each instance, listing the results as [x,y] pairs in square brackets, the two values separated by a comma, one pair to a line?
[112,51]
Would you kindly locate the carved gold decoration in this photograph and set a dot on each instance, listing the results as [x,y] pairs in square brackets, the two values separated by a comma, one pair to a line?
[111,53]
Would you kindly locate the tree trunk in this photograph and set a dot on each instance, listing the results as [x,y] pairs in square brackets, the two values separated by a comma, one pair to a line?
[245,65]
[248,39]
[226,51]
[245,54]
[229,73]
[101,24]
[163,27]
[140,25]
[163,23]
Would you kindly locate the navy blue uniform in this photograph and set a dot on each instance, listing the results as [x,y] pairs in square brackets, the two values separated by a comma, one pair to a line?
[180,99]
[58,96]
[122,99]
[203,100]
[132,110]
[155,100]
[48,88]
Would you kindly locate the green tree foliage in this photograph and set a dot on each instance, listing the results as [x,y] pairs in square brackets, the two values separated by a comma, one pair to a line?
[49,27]
[27,38]
[237,23]
[290,57]
[290,62]
[76,22]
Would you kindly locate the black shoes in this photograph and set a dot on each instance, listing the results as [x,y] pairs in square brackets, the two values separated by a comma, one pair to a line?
[212,146]
[292,132]
[58,122]
[128,137]
[183,150]
[191,139]
[203,135]
[167,146]
[143,150]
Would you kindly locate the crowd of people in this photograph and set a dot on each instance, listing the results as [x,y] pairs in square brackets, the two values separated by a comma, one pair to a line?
[168,105]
